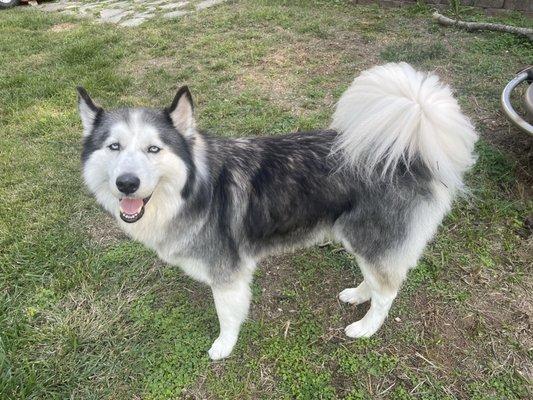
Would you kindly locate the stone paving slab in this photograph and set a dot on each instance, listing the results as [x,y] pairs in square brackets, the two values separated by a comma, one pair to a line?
[128,13]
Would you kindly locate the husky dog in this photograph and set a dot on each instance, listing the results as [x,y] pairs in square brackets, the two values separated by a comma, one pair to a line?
[379,181]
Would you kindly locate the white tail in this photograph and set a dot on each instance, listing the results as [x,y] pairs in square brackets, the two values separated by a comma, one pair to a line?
[392,113]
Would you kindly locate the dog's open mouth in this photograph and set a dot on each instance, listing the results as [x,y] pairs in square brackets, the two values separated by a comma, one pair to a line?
[132,210]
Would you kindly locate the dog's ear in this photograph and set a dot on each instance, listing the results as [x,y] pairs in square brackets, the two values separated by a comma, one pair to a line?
[181,112]
[88,110]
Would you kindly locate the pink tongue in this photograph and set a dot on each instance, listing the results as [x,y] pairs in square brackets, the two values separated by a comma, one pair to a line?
[131,206]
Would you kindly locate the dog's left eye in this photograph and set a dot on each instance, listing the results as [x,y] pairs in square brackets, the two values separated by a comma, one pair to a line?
[153,149]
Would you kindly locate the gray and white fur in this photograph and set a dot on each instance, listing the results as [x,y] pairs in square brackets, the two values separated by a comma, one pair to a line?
[379,181]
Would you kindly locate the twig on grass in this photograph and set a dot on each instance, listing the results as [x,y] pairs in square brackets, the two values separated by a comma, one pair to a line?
[478,26]
[286,329]
[426,360]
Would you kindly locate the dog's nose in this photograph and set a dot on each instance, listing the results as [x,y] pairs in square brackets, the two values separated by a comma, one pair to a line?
[128,183]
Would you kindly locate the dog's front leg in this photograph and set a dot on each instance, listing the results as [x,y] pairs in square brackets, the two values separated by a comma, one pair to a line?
[232,302]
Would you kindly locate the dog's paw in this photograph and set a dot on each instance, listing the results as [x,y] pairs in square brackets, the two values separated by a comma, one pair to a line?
[221,348]
[362,328]
[354,295]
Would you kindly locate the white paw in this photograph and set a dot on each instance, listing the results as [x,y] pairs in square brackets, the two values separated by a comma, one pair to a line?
[221,348]
[362,328]
[354,295]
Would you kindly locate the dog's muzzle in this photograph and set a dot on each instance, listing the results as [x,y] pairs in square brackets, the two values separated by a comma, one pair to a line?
[132,210]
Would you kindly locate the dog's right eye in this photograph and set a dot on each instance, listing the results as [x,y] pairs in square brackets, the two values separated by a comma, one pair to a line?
[114,146]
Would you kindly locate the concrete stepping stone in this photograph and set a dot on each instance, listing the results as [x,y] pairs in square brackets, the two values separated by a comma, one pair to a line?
[53,6]
[179,4]
[110,12]
[175,14]
[133,22]
[115,17]
[128,12]
[208,3]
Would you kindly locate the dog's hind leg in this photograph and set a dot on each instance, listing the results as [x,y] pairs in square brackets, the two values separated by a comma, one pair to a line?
[382,280]
[232,302]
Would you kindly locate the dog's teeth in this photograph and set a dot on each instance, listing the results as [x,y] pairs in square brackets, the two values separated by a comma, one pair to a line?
[131,216]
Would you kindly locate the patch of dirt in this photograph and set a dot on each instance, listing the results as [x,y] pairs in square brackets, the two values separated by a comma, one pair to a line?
[285,70]
[66,26]
[488,333]
[105,232]
[513,142]
[138,69]
[101,228]
[284,289]
[507,312]
[430,334]
[425,331]
[518,146]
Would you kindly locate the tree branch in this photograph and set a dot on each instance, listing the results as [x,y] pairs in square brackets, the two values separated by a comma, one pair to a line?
[476,26]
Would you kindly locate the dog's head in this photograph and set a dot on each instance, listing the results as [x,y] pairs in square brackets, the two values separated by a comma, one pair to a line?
[138,162]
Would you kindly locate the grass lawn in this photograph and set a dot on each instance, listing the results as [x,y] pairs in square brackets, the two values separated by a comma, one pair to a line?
[87,314]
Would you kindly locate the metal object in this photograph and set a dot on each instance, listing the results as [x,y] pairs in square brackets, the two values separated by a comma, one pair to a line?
[525,75]
[528,100]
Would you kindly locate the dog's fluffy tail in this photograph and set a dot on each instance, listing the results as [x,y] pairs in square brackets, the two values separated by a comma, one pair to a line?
[393,114]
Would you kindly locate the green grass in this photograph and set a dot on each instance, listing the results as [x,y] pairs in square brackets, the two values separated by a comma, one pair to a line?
[85,313]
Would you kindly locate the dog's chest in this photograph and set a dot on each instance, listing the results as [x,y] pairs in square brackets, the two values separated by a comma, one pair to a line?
[196,269]
[174,252]
[193,267]
[171,247]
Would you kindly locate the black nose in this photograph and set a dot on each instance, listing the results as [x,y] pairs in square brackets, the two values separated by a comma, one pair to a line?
[128,183]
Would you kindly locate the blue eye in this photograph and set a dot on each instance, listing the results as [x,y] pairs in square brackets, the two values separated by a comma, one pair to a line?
[114,146]
[154,149]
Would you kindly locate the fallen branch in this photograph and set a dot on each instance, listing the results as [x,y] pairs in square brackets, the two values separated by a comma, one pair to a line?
[477,26]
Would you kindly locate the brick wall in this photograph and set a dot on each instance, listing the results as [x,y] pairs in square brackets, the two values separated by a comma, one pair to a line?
[491,7]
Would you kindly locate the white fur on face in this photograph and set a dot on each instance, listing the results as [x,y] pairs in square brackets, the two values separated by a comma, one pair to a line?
[162,175]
